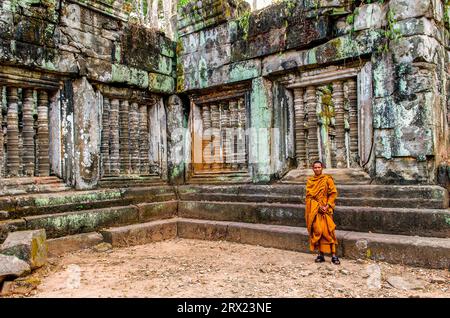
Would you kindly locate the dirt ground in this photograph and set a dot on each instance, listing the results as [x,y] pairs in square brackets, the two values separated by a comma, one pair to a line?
[193,268]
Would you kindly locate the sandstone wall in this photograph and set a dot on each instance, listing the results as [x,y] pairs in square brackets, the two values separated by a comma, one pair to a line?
[405,43]
[87,49]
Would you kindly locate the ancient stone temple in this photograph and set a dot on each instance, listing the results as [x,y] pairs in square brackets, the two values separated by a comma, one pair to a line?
[107,122]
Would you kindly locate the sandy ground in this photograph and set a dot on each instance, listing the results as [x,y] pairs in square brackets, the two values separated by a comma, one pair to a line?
[192,268]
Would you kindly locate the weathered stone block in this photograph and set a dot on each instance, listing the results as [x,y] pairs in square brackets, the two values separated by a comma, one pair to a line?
[62,224]
[29,246]
[71,243]
[10,226]
[160,83]
[143,233]
[202,230]
[129,75]
[157,210]
[11,266]
[404,9]
[408,250]
[417,48]
[370,16]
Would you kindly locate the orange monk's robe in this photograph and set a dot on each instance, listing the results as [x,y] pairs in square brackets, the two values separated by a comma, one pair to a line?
[320,191]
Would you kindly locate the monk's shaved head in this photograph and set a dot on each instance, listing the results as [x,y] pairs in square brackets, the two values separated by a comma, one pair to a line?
[317,167]
[316,162]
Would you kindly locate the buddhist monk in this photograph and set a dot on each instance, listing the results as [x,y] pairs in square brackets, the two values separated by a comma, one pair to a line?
[321,194]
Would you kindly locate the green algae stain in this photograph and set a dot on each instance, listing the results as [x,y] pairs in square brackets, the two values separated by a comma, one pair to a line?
[77,198]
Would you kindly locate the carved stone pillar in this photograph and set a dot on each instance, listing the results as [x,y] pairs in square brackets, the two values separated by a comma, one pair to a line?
[234,124]
[206,139]
[114,138]
[28,133]
[242,149]
[2,161]
[104,148]
[215,123]
[12,133]
[353,121]
[338,100]
[43,157]
[124,137]
[313,141]
[144,140]
[226,136]
[134,138]
[300,136]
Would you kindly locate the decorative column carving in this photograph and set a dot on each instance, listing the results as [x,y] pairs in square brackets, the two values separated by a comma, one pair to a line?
[28,133]
[134,138]
[124,137]
[353,121]
[12,133]
[313,141]
[215,123]
[300,136]
[234,124]
[226,138]
[206,139]
[104,149]
[114,138]
[2,154]
[43,157]
[242,149]
[144,145]
[338,100]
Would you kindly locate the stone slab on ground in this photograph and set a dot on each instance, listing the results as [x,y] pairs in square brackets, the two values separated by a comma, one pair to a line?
[11,266]
[142,233]
[66,244]
[29,246]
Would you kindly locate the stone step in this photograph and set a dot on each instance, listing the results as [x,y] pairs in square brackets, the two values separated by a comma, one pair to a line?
[143,233]
[355,176]
[396,249]
[76,222]
[72,243]
[423,222]
[147,181]
[407,250]
[368,195]
[18,186]
[35,204]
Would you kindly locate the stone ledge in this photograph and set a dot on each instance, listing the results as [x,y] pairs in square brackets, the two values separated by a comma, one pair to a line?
[407,250]
[142,233]
[71,243]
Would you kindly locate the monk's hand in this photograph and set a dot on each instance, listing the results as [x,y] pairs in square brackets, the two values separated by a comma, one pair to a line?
[322,209]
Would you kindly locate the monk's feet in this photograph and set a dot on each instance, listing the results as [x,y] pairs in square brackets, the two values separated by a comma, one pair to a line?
[335,260]
[320,259]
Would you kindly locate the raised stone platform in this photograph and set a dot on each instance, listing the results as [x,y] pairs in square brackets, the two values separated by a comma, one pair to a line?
[397,249]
